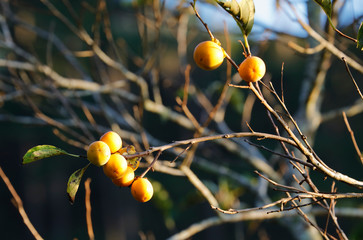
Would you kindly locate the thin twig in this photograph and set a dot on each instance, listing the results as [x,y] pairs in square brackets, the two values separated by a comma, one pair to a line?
[151,164]
[303,50]
[303,162]
[19,205]
[306,218]
[88,209]
[238,86]
[351,77]
[210,138]
[182,152]
[311,156]
[359,153]
[282,82]
[201,20]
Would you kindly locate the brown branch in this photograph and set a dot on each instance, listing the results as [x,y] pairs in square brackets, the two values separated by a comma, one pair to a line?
[303,50]
[88,209]
[211,138]
[306,218]
[311,156]
[19,205]
[351,77]
[307,194]
[151,164]
[303,162]
[359,153]
[201,20]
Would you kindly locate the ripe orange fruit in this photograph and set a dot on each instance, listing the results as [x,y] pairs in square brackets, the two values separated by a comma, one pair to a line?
[113,140]
[98,153]
[116,166]
[252,69]
[142,190]
[126,179]
[208,55]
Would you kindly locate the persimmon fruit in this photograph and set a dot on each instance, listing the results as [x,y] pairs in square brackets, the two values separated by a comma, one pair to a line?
[126,179]
[116,166]
[141,189]
[252,69]
[98,153]
[208,55]
[113,140]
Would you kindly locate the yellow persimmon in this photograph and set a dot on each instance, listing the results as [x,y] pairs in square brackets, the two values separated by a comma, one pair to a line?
[98,153]
[126,179]
[113,140]
[208,55]
[142,190]
[116,166]
[252,69]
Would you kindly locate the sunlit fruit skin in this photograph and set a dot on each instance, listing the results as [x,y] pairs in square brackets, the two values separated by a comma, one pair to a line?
[126,179]
[142,190]
[113,140]
[116,166]
[252,69]
[208,55]
[98,153]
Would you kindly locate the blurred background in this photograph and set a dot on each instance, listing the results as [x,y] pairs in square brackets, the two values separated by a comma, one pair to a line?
[155,40]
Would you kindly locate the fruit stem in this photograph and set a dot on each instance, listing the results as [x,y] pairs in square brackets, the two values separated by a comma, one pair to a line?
[75,155]
[247,45]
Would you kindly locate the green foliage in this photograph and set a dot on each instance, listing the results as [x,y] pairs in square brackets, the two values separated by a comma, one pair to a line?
[360,37]
[326,6]
[74,181]
[243,12]
[42,151]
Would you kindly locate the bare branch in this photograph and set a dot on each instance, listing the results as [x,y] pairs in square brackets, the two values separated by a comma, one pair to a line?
[19,205]
[359,153]
[88,209]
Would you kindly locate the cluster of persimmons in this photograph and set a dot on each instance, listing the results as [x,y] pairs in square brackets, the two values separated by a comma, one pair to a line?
[108,154]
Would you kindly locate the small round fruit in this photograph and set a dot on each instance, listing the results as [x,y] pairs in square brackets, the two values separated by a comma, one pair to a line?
[98,153]
[116,166]
[113,140]
[142,190]
[252,69]
[126,179]
[208,55]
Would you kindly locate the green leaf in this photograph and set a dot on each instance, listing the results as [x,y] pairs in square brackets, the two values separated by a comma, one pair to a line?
[242,11]
[326,6]
[40,152]
[74,181]
[360,37]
